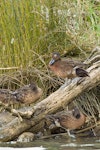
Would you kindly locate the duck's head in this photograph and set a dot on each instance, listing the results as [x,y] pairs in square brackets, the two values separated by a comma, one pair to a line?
[55,57]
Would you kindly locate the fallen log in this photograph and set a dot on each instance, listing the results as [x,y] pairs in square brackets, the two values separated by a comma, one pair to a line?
[63,96]
[60,98]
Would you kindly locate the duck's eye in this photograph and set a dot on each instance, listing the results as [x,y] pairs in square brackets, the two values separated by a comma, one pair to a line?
[55,55]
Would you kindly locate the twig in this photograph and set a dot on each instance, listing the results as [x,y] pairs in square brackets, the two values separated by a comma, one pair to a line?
[98,123]
[9,68]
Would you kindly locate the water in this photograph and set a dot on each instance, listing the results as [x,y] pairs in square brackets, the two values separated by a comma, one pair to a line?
[55,144]
[9,148]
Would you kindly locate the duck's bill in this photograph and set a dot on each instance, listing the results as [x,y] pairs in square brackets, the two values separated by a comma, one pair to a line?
[52,62]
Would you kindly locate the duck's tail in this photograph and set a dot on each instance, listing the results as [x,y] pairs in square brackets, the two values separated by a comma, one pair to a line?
[81,72]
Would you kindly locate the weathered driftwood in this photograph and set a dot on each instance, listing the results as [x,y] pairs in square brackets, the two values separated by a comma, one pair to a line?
[56,100]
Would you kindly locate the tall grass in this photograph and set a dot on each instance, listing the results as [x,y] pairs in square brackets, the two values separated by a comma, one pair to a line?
[20,30]
[30,30]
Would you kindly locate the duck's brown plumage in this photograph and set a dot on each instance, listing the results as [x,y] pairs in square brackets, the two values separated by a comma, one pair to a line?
[69,119]
[66,68]
[27,94]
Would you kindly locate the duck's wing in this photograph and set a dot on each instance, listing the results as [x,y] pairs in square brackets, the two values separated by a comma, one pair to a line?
[75,63]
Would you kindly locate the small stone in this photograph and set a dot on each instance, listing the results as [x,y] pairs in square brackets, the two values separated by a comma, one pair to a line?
[26,137]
